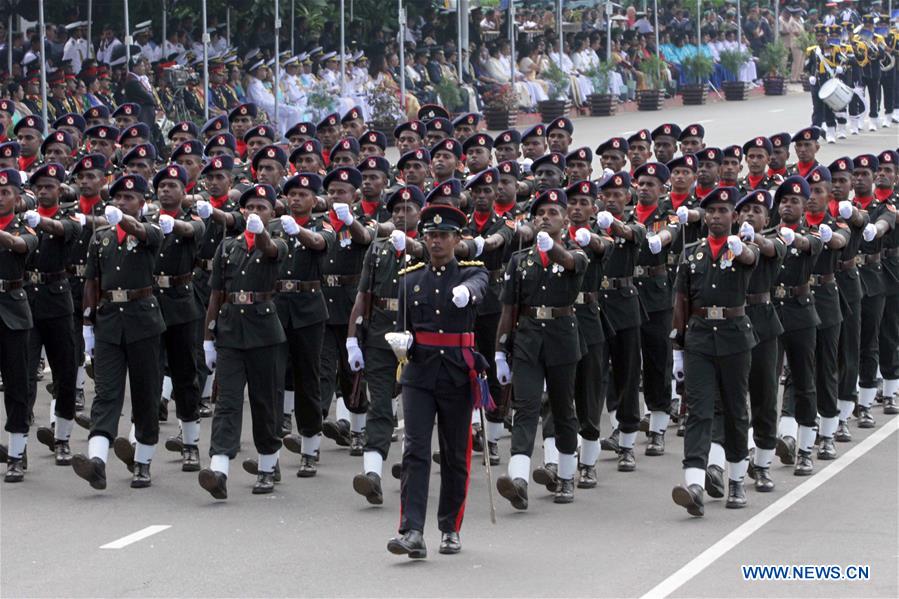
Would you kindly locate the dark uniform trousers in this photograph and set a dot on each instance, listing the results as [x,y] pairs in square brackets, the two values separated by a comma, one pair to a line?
[655,346]
[257,370]
[763,387]
[624,392]
[850,334]
[869,358]
[485,327]
[139,361]
[799,348]
[334,360]
[181,361]
[589,389]
[56,336]
[888,84]
[380,375]
[302,376]
[527,379]
[14,369]
[889,337]
[827,377]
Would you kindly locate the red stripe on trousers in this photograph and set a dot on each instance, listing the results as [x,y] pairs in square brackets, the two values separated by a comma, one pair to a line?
[467,480]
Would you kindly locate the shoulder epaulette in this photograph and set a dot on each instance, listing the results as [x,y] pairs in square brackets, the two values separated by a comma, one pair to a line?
[409,269]
[470,263]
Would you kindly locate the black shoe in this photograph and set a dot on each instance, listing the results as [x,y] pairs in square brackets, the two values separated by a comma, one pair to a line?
[124,450]
[286,424]
[786,450]
[656,445]
[175,444]
[565,494]
[548,476]
[93,470]
[45,435]
[357,444]
[79,400]
[890,406]
[714,481]
[763,482]
[15,472]
[265,483]
[435,457]
[477,440]
[163,410]
[141,477]
[626,460]
[690,498]
[493,451]
[63,453]
[83,420]
[205,411]
[308,469]
[450,543]
[293,443]
[190,458]
[369,486]
[827,450]
[865,419]
[804,465]
[586,476]
[214,482]
[251,466]
[339,432]
[4,453]
[736,495]
[412,544]
[396,471]
[842,434]
[644,424]
[516,491]
[610,443]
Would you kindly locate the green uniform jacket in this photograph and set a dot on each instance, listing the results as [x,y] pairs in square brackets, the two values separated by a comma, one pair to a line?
[827,295]
[303,308]
[872,276]
[797,312]
[52,299]
[177,256]
[14,309]
[621,304]
[763,316]
[655,290]
[380,278]
[588,313]
[493,260]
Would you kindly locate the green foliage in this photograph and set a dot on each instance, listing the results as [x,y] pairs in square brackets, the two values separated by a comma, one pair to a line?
[652,68]
[599,76]
[558,81]
[321,100]
[449,93]
[773,60]
[697,67]
[385,106]
[732,61]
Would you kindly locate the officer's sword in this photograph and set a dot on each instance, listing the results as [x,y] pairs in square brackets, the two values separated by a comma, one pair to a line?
[487,466]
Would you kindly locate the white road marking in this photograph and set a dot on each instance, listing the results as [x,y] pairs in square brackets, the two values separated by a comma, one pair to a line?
[741,533]
[777,110]
[136,536]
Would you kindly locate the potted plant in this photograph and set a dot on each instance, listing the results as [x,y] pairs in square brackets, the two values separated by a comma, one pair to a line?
[449,94]
[773,68]
[559,82]
[652,97]
[386,111]
[697,69]
[805,40]
[733,61]
[602,102]
[500,107]
[321,100]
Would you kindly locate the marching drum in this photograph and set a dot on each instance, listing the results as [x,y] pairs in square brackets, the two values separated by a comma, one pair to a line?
[835,94]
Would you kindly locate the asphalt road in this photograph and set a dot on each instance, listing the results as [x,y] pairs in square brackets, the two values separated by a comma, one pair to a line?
[316,537]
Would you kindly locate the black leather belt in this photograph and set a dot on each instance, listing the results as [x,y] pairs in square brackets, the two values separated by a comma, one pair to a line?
[650,271]
[76,269]
[36,277]
[339,280]
[783,291]
[294,286]
[616,282]
[586,297]
[10,284]
[388,304]
[248,297]
[546,312]
[844,265]
[866,259]
[204,263]
[758,298]
[169,281]
[719,312]
[818,280]
[122,296]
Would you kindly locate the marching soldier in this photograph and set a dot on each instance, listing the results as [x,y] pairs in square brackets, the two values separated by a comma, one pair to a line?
[639,149]
[757,153]
[120,306]
[731,165]
[885,181]
[868,46]
[664,141]
[691,139]
[558,135]
[441,298]
[780,155]
[805,142]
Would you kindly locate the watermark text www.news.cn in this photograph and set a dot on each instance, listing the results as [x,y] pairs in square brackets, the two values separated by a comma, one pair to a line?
[805,572]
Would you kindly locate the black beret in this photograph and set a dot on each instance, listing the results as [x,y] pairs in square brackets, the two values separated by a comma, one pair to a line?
[509,167]
[70,120]
[270,152]
[128,183]
[686,161]
[728,195]
[126,109]
[653,169]
[263,131]
[51,169]
[140,151]
[171,171]
[695,130]
[190,147]
[478,140]
[586,188]
[409,193]
[420,155]
[552,159]
[759,196]
[259,190]
[373,138]
[616,143]
[795,185]
[414,126]
[247,109]
[310,146]
[450,145]
[761,142]
[310,181]
[488,176]
[581,154]
[510,137]
[344,174]
[219,163]
[89,162]
[301,128]
[374,163]
[347,144]
[550,196]
[222,140]
[183,127]
[447,189]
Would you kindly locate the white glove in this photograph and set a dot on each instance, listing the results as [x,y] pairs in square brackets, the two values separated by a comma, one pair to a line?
[503,372]
[82,219]
[113,215]
[544,241]
[204,209]
[344,213]
[144,209]
[289,225]
[461,295]
[32,218]
[869,232]
[812,80]
[354,354]
[583,237]
[398,240]
[677,369]
[479,246]
[846,209]
[825,232]
[788,235]
[683,215]
[87,332]
[604,219]
[735,245]
[166,223]
[211,354]
[747,232]
[254,224]
[839,70]
[655,243]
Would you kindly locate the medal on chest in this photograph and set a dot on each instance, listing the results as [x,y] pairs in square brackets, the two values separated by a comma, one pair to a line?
[727,260]
[130,243]
[344,237]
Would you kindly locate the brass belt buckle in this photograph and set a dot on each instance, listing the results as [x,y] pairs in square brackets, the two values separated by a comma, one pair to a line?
[544,313]
[119,295]
[34,276]
[714,313]
[672,259]
[288,285]
[580,298]
[860,260]
[393,304]
[639,271]
[780,292]
[605,283]
[80,270]
[243,297]
[164,281]
[332,280]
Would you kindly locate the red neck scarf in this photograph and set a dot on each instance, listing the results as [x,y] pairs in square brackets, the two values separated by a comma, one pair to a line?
[480,219]
[716,244]
[813,219]
[789,226]
[544,258]
[503,209]
[833,207]
[218,201]
[48,212]
[5,220]
[864,201]
[678,198]
[572,231]
[883,193]
[644,212]
[302,220]
[702,192]
[120,233]
[86,204]
[326,157]
[3,138]
[250,238]
[805,167]
[336,223]
[190,187]
[172,213]
[754,180]
[780,171]
[369,208]
[26,161]
[242,149]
